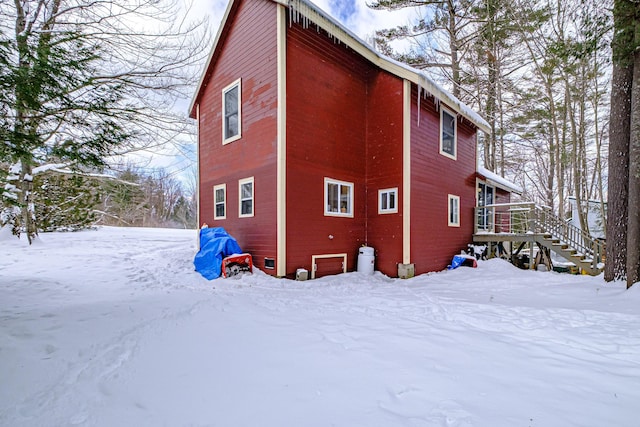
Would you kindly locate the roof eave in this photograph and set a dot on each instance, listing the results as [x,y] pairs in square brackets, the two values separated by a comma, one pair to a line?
[498,181]
[336,29]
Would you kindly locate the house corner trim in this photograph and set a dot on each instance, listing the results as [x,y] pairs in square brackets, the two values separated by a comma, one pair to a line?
[406,174]
[281,239]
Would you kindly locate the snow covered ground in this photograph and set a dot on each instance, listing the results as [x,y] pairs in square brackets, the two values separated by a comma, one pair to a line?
[114,328]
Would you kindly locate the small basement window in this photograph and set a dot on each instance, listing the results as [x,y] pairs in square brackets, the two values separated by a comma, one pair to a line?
[220,201]
[448,137]
[388,200]
[231,112]
[338,197]
[454,211]
[269,263]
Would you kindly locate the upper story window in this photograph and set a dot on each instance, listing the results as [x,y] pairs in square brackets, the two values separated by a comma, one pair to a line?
[448,137]
[454,211]
[220,201]
[246,189]
[388,200]
[231,112]
[338,198]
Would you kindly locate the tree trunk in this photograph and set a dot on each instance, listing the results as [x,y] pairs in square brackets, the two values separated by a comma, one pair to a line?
[577,124]
[598,169]
[618,186]
[453,46]
[619,134]
[551,169]
[633,227]
[490,151]
[25,199]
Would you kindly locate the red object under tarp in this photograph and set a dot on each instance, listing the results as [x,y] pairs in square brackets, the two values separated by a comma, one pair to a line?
[236,264]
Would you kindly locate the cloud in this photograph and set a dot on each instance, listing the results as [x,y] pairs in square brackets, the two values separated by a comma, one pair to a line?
[353,14]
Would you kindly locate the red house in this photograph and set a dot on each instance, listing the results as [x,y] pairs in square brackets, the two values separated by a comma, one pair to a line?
[312,144]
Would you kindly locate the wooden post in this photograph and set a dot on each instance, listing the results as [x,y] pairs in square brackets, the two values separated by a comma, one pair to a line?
[532,262]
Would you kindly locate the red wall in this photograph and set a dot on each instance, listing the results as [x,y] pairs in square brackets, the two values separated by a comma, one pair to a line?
[326,134]
[384,167]
[344,121]
[433,178]
[247,51]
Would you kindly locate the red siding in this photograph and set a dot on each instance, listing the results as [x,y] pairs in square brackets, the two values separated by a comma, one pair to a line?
[326,134]
[247,51]
[433,178]
[384,167]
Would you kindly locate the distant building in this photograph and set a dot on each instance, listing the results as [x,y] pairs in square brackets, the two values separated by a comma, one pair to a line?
[594,216]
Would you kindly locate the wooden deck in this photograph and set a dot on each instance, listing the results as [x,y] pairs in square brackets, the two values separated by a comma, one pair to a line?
[527,223]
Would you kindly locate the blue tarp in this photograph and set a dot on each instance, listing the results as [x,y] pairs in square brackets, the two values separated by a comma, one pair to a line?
[215,245]
[464,260]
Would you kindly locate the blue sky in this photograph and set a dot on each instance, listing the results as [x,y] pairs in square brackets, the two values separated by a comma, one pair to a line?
[343,9]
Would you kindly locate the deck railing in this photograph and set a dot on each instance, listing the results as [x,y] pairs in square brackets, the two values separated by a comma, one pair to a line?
[529,218]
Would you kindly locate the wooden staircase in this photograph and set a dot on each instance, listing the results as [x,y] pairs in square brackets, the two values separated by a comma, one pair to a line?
[528,222]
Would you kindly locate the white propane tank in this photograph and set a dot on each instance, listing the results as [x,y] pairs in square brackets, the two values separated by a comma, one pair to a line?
[366,259]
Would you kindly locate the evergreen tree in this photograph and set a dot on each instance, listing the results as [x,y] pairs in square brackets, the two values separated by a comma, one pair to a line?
[65,202]
[441,38]
[78,81]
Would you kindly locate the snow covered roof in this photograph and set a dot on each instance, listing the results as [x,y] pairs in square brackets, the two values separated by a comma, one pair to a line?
[499,181]
[305,11]
[572,199]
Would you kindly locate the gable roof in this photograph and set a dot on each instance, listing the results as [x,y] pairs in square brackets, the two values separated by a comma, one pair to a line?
[304,11]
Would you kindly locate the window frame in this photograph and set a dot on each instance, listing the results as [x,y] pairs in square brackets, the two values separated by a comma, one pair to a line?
[387,191]
[454,116]
[242,182]
[340,184]
[222,187]
[455,210]
[225,90]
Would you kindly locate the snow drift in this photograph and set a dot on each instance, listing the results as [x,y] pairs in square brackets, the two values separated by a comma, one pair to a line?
[113,327]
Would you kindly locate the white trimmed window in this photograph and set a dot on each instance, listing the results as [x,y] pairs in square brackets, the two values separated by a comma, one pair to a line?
[232,112]
[388,200]
[454,211]
[448,134]
[245,188]
[338,198]
[220,201]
